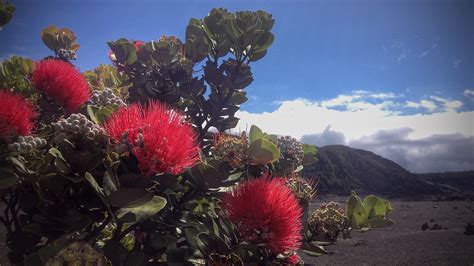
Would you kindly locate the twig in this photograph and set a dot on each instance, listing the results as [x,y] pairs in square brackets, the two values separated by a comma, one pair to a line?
[118,229]
[99,229]
[128,230]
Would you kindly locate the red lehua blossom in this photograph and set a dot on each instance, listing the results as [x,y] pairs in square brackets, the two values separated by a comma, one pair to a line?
[265,211]
[16,115]
[294,259]
[162,141]
[125,120]
[62,82]
[138,44]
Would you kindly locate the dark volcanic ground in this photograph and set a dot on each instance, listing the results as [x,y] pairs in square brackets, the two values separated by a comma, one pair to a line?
[402,244]
[405,243]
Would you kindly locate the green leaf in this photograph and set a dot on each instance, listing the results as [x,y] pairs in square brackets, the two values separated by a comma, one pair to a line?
[234,177]
[255,133]
[375,206]
[176,256]
[91,110]
[142,212]
[238,97]
[228,123]
[356,211]
[207,242]
[264,42]
[388,207]
[115,252]
[310,152]
[6,13]
[76,221]
[309,149]
[7,178]
[262,151]
[42,256]
[56,153]
[257,56]
[321,243]
[48,35]
[19,165]
[98,190]
[136,258]
[62,166]
[125,51]
[208,174]
[312,249]
[273,138]
[129,197]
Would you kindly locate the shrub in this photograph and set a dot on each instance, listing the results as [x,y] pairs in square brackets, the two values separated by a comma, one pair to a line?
[123,167]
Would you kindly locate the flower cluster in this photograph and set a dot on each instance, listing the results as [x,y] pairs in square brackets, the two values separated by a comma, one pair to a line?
[67,54]
[78,253]
[106,97]
[290,149]
[231,149]
[328,221]
[266,212]
[16,115]
[302,188]
[158,136]
[62,82]
[76,125]
[27,144]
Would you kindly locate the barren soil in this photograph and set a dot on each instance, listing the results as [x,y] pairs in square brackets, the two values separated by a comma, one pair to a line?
[402,244]
[405,243]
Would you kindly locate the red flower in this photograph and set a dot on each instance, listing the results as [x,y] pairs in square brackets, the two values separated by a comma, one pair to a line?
[162,141]
[294,259]
[126,120]
[16,115]
[138,44]
[62,82]
[265,211]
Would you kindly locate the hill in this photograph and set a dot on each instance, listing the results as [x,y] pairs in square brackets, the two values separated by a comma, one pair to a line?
[462,182]
[342,169]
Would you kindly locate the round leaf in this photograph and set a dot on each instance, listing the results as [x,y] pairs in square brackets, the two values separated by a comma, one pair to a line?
[142,212]
[263,151]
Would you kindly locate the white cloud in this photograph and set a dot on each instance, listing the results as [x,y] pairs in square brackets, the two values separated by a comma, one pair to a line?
[437,153]
[431,106]
[449,105]
[412,140]
[436,104]
[327,137]
[469,93]
[379,95]
[340,100]
[389,95]
[358,100]
[359,118]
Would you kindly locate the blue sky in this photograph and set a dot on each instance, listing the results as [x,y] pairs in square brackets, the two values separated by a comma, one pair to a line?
[322,48]
[355,69]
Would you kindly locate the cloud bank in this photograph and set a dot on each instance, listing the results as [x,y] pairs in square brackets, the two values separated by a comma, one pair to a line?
[427,136]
